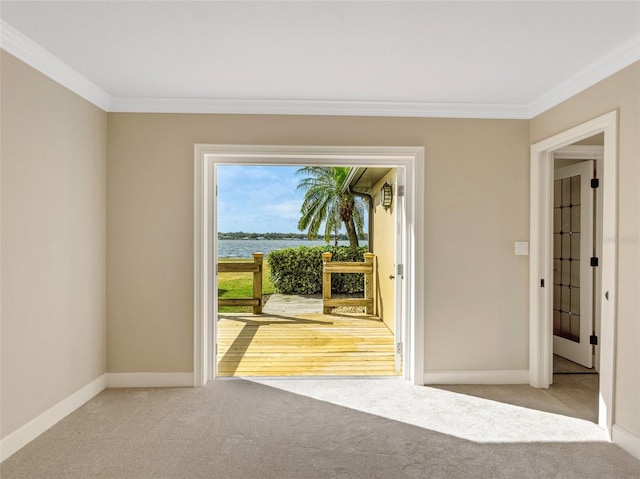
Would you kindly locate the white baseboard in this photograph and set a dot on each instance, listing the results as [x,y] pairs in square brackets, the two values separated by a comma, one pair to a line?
[626,441]
[150,380]
[519,376]
[27,433]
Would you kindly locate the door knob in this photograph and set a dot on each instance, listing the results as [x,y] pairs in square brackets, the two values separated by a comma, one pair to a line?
[391,276]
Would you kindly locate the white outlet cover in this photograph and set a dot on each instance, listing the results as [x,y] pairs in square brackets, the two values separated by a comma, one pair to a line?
[522,248]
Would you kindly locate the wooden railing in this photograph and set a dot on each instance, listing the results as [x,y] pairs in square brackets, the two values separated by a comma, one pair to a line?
[246,267]
[329,267]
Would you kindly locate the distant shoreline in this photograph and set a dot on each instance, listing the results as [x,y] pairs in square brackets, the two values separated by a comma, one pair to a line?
[278,236]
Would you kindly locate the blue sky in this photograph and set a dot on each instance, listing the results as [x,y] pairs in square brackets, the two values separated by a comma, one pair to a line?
[258,199]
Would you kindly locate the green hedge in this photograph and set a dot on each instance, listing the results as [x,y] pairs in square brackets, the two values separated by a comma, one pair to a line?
[299,270]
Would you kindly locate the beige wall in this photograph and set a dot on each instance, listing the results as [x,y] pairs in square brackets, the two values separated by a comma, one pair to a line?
[53,196]
[55,188]
[622,92]
[384,247]
[476,188]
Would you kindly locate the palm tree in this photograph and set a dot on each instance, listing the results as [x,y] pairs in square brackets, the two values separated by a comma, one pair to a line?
[324,202]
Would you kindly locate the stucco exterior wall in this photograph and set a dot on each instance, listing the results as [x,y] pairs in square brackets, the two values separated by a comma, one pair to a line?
[384,247]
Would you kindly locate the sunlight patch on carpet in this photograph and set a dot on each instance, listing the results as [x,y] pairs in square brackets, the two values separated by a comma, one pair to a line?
[463,416]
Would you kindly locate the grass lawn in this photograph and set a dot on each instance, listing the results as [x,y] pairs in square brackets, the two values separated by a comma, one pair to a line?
[240,285]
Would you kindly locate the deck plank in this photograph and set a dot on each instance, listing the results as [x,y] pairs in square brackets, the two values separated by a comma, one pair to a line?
[304,345]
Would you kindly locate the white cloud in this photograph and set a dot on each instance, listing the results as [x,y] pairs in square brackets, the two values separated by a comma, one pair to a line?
[289,209]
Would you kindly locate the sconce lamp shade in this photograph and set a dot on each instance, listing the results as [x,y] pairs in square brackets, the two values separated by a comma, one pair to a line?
[386,196]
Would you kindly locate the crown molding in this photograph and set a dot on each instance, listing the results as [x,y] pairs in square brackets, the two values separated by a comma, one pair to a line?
[26,50]
[317,107]
[619,58]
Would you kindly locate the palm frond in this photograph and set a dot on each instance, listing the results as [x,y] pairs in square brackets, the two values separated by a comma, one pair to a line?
[325,203]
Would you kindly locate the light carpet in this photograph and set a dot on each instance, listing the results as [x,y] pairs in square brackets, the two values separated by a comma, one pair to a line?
[299,429]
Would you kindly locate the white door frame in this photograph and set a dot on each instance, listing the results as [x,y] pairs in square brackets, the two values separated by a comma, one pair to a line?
[205,243]
[541,258]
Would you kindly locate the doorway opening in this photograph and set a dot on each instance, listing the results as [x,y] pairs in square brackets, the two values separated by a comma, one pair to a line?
[577,249]
[572,303]
[279,228]
[209,157]
[577,246]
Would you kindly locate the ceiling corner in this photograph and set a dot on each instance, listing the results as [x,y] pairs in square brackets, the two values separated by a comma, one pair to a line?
[621,57]
[26,50]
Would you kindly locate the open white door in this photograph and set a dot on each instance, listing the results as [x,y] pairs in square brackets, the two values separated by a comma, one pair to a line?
[399,284]
[572,270]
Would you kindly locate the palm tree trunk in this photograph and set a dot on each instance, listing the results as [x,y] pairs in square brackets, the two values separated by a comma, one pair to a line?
[352,234]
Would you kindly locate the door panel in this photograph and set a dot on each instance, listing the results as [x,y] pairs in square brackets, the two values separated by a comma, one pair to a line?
[399,293]
[572,272]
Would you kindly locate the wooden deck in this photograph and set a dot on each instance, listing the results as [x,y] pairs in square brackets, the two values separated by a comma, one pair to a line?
[304,345]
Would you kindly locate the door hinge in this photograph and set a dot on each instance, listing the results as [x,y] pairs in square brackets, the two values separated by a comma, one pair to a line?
[542,283]
[595,183]
[400,270]
[400,190]
[399,348]
[594,261]
[593,339]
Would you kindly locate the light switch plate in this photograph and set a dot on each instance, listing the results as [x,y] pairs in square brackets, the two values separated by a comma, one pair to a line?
[522,248]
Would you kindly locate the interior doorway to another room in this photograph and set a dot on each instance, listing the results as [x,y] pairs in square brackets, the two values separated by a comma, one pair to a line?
[573,258]
[577,247]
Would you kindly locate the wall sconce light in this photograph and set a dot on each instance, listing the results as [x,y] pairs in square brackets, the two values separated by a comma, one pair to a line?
[386,196]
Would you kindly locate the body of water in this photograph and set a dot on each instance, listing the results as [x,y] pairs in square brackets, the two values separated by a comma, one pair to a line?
[245,248]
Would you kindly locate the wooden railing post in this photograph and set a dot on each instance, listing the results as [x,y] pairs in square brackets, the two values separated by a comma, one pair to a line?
[257,282]
[360,267]
[368,281]
[326,282]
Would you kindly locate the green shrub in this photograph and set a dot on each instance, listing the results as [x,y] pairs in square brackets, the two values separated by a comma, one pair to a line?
[299,270]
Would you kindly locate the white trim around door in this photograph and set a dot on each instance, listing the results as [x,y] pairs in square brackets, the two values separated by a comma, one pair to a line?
[207,157]
[541,257]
